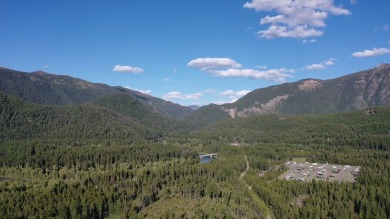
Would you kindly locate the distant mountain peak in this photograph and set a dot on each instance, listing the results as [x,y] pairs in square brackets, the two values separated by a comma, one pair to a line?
[357,91]
[382,66]
[40,73]
[310,84]
[52,89]
[193,107]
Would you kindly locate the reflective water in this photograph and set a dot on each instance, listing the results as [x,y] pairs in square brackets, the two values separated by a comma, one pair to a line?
[206,159]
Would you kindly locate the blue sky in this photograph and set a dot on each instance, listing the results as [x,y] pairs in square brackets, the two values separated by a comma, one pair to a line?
[195,52]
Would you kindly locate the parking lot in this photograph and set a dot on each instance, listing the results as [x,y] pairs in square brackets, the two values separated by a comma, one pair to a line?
[306,172]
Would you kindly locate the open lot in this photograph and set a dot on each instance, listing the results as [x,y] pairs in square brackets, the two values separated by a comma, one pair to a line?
[306,172]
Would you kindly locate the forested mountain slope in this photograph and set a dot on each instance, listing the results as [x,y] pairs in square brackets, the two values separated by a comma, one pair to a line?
[108,156]
[99,161]
[368,128]
[207,115]
[44,88]
[311,96]
[23,120]
[143,114]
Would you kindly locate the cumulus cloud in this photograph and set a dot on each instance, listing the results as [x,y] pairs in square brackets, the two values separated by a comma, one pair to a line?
[290,32]
[221,102]
[212,63]
[148,92]
[295,18]
[176,95]
[275,75]
[369,53]
[322,65]
[127,69]
[309,41]
[234,94]
[225,67]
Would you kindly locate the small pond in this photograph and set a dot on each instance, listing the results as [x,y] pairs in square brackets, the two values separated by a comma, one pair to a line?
[206,159]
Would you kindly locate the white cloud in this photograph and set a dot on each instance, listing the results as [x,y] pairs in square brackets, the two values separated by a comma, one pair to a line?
[290,32]
[295,18]
[315,67]
[309,41]
[128,69]
[261,67]
[329,62]
[148,92]
[176,95]
[322,65]
[220,102]
[168,80]
[353,2]
[211,63]
[373,52]
[386,27]
[234,94]
[275,75]
[225,67]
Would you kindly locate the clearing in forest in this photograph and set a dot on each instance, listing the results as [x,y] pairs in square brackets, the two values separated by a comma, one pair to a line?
[306,172]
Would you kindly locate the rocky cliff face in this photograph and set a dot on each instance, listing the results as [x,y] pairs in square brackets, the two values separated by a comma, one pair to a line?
[310,96]
[369,88]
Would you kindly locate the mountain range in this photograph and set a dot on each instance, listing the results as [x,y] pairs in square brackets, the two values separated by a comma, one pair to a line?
[74,149]
[44,88]
[310,96]
[368,128]
[352,92]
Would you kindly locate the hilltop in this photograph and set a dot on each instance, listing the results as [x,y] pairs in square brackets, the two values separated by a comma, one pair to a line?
[352,92]
[75,149]
[44,88]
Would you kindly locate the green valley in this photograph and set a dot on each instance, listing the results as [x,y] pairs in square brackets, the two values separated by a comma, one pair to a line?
[114,155]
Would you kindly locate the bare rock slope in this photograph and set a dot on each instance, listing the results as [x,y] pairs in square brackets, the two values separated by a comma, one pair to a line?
[311,96]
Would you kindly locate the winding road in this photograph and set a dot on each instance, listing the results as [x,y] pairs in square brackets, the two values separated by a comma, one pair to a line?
[250,187]
[247,167]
